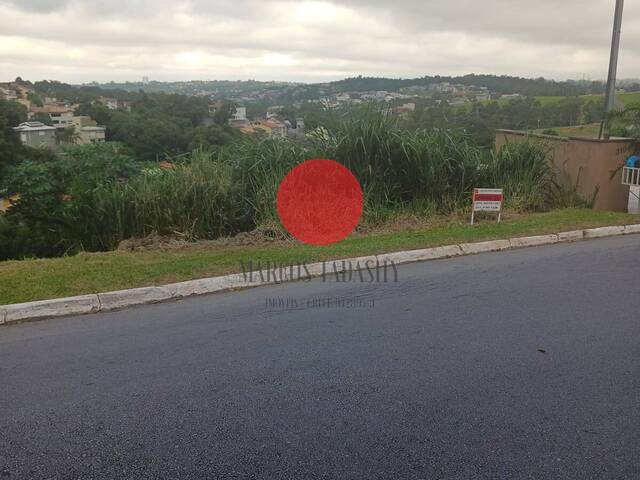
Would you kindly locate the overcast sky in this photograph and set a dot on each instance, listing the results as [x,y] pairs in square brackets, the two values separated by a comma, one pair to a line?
[80,40]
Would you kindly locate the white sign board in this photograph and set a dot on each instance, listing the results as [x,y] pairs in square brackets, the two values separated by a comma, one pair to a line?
[487,200]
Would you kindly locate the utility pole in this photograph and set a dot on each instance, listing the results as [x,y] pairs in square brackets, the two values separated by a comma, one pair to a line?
[610,96]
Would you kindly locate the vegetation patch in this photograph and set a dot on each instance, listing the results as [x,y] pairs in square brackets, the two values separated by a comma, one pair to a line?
[93,197]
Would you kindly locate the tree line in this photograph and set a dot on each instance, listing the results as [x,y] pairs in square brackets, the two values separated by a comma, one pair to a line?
[502,84]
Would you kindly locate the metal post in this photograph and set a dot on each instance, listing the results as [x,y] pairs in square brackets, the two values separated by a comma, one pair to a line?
[610,96]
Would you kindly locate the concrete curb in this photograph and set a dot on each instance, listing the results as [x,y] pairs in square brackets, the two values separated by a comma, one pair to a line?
[482,247]
[572,236]
[135,296]
[534,241]
[51,308]
[604,232]
[110,301]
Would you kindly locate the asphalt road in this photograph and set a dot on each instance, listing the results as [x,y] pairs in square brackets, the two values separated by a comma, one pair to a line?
[520,364]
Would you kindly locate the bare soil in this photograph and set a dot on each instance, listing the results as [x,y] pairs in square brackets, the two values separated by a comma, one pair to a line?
[274,234]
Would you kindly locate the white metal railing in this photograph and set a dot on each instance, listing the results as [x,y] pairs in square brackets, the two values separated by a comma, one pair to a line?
[631,176]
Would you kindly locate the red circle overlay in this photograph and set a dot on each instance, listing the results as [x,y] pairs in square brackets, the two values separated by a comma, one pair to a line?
[320,202]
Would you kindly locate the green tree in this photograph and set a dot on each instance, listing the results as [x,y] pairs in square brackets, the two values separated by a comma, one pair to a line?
[11,115]
[208,137]
[67,135]
[593,111]
[52,191]
[224,112]
[35,99]
[15,113]
[625,123]
[42,117]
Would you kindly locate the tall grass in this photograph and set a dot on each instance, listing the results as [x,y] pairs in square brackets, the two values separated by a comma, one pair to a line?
[194,200]
[524,172]
[258,168]
[400,166]
[210,194]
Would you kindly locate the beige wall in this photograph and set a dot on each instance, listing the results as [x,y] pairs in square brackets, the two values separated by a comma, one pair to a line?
[80,121]
[587,163]
[90,135]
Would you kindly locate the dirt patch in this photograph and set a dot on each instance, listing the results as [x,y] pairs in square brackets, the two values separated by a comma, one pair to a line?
[267,234]
[151,242]
[414,222]
[274,235]
[264,235]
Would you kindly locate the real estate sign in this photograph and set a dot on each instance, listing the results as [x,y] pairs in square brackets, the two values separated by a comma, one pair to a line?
[487,200]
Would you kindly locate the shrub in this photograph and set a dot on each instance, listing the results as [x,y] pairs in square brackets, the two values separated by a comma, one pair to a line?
[195,200]
[50,188]
[525,173]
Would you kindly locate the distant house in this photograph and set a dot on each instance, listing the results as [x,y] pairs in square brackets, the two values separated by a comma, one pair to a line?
[402,111]
[442,87]
[8,94]
[272,128]
[87,135]
[37,134]
[110,103]
[456,102]
[239,118]
[240,114]
[88,131]
[61,116]
[298,131]
[275,109]
[511,96]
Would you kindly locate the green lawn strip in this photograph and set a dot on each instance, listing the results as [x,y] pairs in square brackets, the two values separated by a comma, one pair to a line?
[38,279]
[591,130]
[627,98]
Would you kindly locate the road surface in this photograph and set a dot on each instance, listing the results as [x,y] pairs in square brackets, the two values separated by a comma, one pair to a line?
[520,364]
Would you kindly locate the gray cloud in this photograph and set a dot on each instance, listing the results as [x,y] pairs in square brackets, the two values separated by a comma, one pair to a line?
[572,22]
[78,40]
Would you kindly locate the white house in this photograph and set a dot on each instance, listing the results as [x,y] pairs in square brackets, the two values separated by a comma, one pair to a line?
[240,114]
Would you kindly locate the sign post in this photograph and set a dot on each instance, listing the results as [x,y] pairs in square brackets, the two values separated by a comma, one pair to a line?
[487,200]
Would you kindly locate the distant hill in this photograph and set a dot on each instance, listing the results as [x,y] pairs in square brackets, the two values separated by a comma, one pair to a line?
[499,84]
[284,93]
